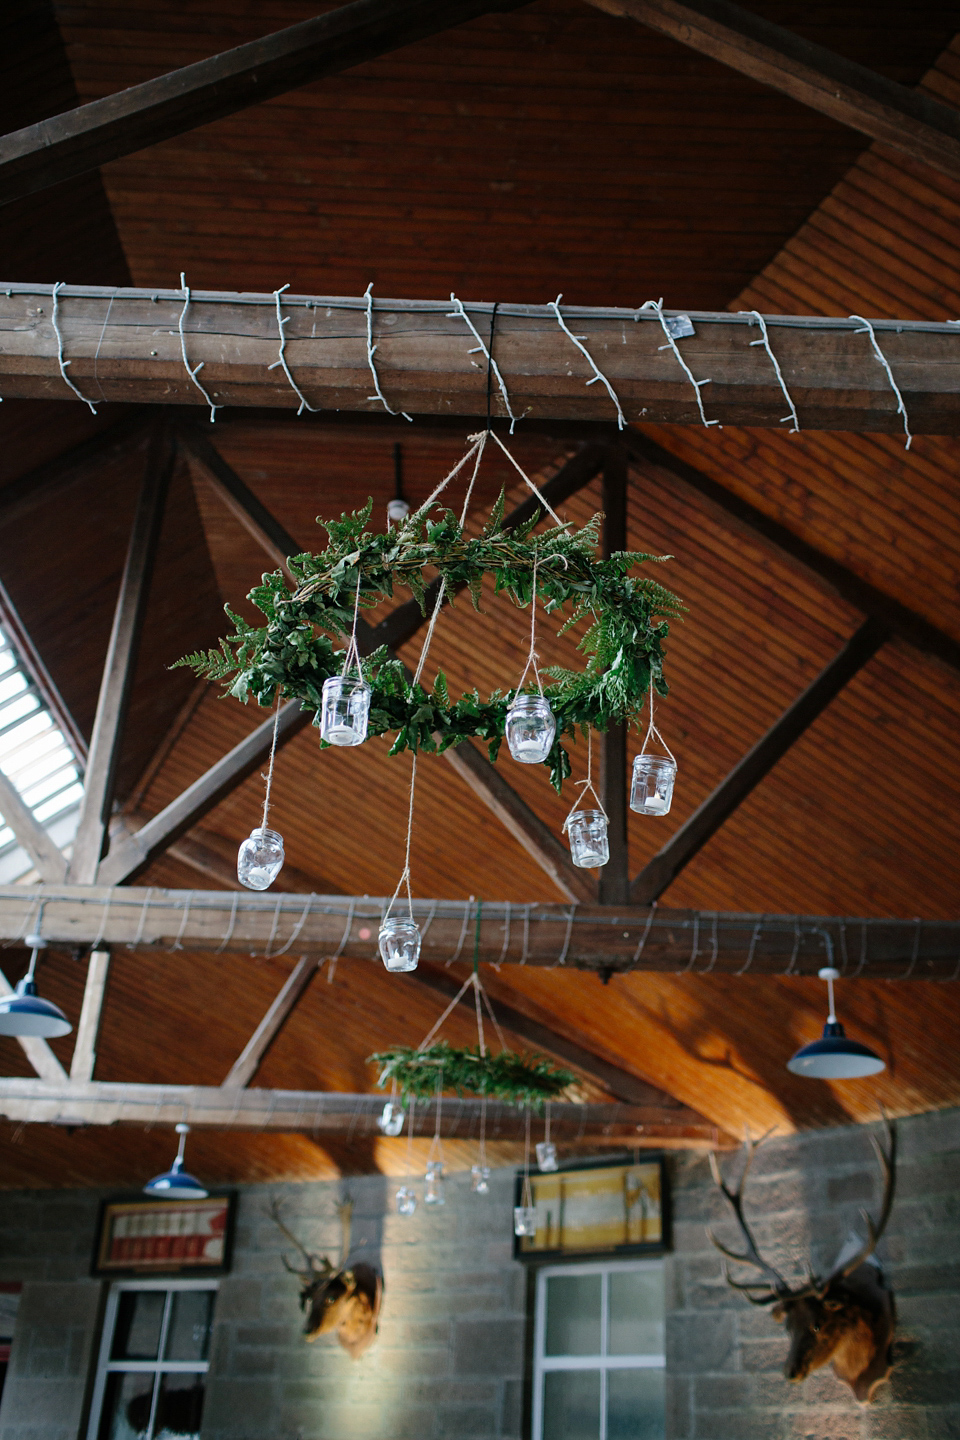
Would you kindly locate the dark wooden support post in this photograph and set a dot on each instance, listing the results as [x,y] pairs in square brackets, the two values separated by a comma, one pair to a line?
[614,882]
[91,837]
[663,869]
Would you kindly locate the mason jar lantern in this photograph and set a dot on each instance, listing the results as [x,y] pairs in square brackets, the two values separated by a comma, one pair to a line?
[399,942]
[433,1186]
[345,710]
[524,1220]
[587,831]
[530,729]
[652,790]
[406,1200]
[260,859]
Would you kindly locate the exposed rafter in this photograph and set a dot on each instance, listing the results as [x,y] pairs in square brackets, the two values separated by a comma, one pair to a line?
[604,939]
[660,872]
[248,1062]
[130,338]
[47,859]
[87,137]
[908,624]
[915,124]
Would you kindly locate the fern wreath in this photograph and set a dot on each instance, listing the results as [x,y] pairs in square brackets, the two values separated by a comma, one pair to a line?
[294,652]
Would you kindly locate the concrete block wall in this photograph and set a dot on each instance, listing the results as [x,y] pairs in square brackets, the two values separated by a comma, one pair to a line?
[449,1361]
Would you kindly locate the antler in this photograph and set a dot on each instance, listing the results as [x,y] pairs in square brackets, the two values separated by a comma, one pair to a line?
[317,1265]
[775,1282]
[874,1230]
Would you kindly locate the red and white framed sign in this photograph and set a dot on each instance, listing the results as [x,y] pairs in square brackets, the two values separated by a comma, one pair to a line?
[164,1237]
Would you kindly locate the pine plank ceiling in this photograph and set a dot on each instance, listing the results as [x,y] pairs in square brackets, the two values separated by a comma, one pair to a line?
[553,149]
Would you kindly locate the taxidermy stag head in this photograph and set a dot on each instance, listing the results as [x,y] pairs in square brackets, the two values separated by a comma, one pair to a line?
[846,1318]
[334,1297]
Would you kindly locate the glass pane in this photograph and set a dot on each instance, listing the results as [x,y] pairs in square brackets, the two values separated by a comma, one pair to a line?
[571,1405]
[139,1317]
[636,1313]
[179,1407]
[126,1407]
[635,1409]
[573,1315]
[188,1334]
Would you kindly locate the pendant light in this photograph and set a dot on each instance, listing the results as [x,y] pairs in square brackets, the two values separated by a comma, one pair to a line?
[24,1013]
[176,1183]
[834,1056]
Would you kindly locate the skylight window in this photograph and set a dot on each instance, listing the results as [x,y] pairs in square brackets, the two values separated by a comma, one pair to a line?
[38,759]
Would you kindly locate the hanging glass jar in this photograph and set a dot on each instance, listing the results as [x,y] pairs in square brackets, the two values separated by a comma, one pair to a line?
[406,1200]
[530,729]
[589,845]
[399,942]
[480,1179]
[433,1186]
[392,1118]
[260,858]
[547,1155]
[651,792]
[525,1220]
[345,710]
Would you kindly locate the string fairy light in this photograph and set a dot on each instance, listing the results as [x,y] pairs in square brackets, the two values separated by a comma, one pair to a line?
[597,372]
[460,314]
[867,329]
[55,293]
[282,321]
[183,350]
[765,342]
[371,351]
[657,307]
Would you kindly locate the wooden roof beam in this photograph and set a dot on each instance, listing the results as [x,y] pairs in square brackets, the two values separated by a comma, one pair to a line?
[908,624]
[126,343]
[294,988]
[47,859]
[87,137]
[660,872]
[915,124]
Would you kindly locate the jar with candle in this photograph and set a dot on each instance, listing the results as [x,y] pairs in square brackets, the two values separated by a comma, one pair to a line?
[260,858]
[345,710]
[406,1200]
[433,1185]
[525,1220]
[547,1155]
[480,1179]
[399,942]
[651,792]
[587,832]
[392,1118]
[530,729]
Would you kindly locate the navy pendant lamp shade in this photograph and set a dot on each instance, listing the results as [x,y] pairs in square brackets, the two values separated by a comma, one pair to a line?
[24,1013]
[176,1183]
[834,1056]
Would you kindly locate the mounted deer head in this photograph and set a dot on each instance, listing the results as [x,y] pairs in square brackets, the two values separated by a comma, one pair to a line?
[846,1318]
[336,1298]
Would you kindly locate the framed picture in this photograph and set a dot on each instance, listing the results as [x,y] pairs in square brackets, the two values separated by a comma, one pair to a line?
[138,1237]
[602,1207]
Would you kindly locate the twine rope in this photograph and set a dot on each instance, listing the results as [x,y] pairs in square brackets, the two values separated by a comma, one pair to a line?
[657,307]
[597,372]
[901,407]
[585,785]
[371,351]
[273,753]
[532,652]
[405,873]
[765,342]
[283,320]
[653,731]
[55,293]
[352,653]
[183,350]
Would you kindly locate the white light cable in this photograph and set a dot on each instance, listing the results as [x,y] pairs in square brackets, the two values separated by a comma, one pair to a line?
[901,407]
[283,320]
[657,307]
[461,314]
[765,342]
[597,372]
[183,351]
[60,360]
[371,351]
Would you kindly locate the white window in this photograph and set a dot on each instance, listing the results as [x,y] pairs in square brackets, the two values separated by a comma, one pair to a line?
[599,1352]
[154,1358]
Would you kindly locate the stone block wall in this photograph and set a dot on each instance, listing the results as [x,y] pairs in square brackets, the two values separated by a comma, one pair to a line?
[449,1361]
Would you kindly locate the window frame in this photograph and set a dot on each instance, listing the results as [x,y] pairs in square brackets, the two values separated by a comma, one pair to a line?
[107,1367]
[544,1364]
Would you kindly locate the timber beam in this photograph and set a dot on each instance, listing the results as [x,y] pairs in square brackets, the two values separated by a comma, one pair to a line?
[131,339]
[915,124]
[605,939]
[319,1113]
[87,137]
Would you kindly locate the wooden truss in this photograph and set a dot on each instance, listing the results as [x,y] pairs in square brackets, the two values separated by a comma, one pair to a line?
[126,345]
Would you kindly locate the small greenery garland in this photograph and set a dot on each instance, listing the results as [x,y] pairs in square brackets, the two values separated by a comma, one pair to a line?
[293,651]
[518,1079]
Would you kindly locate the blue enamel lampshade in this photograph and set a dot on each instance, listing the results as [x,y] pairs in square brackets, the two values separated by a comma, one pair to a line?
[176,1183]
[835,1056]
[24,1013]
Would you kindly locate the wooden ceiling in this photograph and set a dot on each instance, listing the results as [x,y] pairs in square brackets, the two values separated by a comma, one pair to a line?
[552,149]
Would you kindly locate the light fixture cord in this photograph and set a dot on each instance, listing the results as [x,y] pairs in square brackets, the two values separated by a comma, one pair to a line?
[273,752]
[832,1017]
